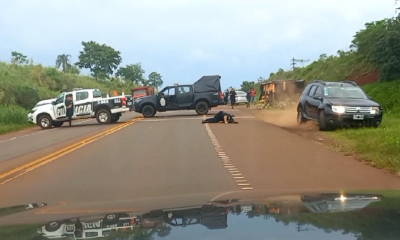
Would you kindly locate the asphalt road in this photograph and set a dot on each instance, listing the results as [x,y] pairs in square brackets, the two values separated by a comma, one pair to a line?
[173,157]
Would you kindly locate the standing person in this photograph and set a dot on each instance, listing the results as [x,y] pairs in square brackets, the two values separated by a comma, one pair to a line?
[248,97]
[253,95]
[226,96]
[233,97]
[69,104]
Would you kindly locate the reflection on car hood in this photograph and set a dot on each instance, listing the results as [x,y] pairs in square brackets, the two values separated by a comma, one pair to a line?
[356,215]
[353,102]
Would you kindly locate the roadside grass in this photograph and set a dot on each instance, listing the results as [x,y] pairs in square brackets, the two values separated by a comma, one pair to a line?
[13,118]
[379,147]
[20,232]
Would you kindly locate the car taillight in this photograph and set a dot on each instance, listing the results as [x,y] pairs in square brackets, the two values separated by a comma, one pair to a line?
[123,99]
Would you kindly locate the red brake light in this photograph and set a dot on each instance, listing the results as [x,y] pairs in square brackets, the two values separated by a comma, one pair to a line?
[123,99]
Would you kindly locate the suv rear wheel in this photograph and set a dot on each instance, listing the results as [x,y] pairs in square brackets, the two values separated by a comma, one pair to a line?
[300,116]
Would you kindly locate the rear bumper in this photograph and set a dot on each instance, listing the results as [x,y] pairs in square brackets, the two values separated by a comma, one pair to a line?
[350,119]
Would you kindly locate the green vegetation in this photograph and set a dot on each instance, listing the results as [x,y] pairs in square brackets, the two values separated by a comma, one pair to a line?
[374,48]
[24,83]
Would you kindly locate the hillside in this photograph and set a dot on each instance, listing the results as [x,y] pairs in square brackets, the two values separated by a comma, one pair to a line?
[376,47]
[23,83]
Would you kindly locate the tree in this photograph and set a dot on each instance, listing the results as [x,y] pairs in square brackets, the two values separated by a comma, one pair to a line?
[18,58]
[247,85]
[132,73]
[101,60]
[63,62]
[155,80]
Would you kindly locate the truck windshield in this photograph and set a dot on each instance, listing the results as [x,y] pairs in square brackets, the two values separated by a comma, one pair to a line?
[97,94]
[60,98]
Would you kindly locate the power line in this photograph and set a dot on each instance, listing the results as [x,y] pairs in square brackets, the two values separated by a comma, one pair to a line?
[295,61]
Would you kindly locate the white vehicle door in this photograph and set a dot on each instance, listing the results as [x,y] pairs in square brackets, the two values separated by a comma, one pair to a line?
[83,104]
[60,111]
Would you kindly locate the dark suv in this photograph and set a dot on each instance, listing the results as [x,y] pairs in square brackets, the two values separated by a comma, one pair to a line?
[337,104]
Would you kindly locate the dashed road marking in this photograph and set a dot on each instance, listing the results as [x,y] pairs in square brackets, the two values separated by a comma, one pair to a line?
[36,133]
[227,162]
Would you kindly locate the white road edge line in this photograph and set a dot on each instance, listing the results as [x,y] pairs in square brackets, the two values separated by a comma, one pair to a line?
[233,171]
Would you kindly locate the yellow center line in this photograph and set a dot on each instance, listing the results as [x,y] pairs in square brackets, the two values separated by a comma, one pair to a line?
[57,154]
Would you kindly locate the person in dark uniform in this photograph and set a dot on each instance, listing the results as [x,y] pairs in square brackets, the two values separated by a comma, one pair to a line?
[248,97]
[226,96]
[233,97]
[220,116]
[69,104]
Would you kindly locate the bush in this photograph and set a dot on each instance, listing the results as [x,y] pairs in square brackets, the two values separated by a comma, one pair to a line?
[13,114]
[387,94]
[25,85]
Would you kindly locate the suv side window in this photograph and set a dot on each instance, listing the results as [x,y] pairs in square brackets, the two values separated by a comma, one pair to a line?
[319,92]
[312,91]
[82,96]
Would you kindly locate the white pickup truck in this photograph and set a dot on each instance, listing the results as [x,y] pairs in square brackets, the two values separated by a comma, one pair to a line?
[88,103]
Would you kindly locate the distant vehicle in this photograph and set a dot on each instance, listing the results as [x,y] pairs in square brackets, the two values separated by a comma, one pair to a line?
[337,104]
[88,103]
[240,98]
[200,96]
[142,92]
[87,229]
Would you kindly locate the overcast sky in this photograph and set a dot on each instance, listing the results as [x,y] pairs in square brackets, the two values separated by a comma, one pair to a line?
[186,39]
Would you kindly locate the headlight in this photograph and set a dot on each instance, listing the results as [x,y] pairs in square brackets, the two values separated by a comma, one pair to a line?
[375,110]
[338,109]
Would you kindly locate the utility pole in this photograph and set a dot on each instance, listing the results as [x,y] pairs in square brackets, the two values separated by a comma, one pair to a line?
[395,5]
[295,61]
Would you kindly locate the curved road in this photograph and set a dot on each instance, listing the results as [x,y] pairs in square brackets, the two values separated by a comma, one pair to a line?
[174,155]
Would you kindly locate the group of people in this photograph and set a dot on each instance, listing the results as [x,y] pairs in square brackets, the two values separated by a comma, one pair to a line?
[231,95]
[251,95]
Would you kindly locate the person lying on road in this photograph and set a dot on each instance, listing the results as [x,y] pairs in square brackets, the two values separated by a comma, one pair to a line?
[221,116]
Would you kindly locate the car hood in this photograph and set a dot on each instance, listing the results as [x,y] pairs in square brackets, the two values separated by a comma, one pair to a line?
[328,215]
[353,102]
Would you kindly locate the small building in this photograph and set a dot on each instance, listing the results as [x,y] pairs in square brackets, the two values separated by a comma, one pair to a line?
[281,91]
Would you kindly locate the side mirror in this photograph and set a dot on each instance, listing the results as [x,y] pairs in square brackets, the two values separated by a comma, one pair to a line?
[316,97]
[53,102]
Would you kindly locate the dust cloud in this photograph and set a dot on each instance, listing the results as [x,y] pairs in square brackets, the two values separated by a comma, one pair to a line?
[285,118]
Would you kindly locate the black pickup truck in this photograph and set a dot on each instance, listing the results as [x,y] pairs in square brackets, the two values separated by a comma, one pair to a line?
[200,96]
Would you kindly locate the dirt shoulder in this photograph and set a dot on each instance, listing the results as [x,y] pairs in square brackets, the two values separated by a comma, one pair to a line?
[352,143]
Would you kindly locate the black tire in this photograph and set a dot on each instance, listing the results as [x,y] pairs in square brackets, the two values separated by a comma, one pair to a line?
[57,124]
[111,218]
[148,111]
[202,108]
[115,118]
[45,121]
[52,226]
[300,116]
[323,125]
[103,116]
